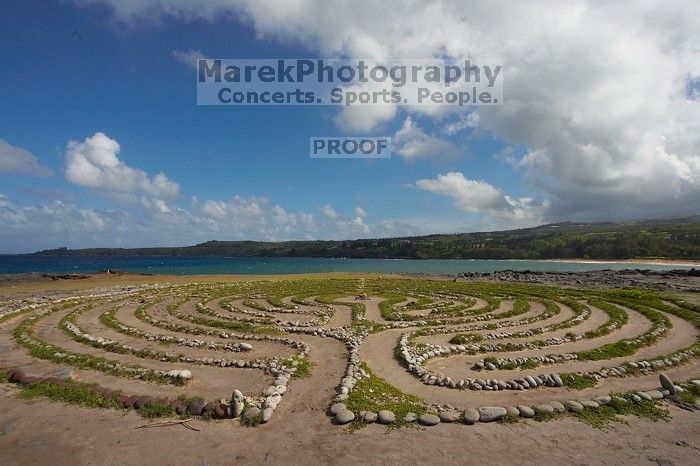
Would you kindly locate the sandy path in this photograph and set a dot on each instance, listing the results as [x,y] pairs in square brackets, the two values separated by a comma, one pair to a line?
[342,316]
[126,316]
[283,316]
[636,325]
[210,381]
[89,322]
[680,336]
[377,351]
[508,324]
[81,436]
[371,308]
[13,355]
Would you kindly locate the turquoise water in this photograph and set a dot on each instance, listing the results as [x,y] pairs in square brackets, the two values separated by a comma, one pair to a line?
[269,266]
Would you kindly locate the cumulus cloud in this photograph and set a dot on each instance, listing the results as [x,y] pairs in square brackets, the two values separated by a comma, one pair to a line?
[476,196]
[47,225]
[329,212]
[601,94]
[464,121]
[15,160]
[94,163]
[411,143]
[57,223]
[188,57]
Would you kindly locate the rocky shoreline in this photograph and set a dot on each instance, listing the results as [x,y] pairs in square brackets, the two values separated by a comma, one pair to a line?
[676,279]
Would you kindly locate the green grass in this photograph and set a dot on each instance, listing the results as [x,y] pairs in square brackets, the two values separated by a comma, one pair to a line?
[374,394]
[605,415]
[599,417]
[5,375]
[544,416]
[465,338]
[303,366]
[71,393]
[690,394]
[82,394]
[37,348]
[578,381]
[187,399]
[155,410]
[509,418]
[252,421]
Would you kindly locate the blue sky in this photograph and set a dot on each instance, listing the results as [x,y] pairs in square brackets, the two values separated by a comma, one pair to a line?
[74,70]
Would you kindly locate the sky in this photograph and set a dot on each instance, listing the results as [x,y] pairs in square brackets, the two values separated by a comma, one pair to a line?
[102,143]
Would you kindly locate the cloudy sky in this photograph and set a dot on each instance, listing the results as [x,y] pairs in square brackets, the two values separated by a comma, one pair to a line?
[102,143]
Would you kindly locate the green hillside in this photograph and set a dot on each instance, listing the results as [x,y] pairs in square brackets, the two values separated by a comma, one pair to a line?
[677,238]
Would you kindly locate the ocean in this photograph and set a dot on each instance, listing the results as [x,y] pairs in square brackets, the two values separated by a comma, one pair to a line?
[210,265]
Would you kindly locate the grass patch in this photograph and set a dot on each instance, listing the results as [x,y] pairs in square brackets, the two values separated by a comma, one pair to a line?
[156,410]
[374,394]
[690,394]
[252,421]
[303,366]
[187,399]
[577,381]
[509,418]
[599,417]
[542,415]
[70,393]
[605,415]
[465,338]
[644,409]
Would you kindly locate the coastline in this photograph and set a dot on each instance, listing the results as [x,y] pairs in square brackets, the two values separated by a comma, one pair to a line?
[678,262]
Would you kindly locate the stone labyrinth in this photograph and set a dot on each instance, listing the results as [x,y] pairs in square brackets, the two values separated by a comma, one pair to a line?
[392,351]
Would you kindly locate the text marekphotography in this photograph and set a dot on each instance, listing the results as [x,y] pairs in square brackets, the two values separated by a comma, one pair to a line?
[349,82]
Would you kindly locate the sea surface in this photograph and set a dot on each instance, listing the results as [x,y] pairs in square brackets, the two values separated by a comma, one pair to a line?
[210,265]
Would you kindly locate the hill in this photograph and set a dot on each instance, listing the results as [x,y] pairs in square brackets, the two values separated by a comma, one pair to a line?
[677,238]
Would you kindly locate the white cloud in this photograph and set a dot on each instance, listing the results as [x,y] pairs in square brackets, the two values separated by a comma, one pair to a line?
[411,143]
[476,196]
[94,163]
[364,118]
[329,212]
[464,121]
[360,212]
[55,224]
[596,91]
[188,57]
[16,160]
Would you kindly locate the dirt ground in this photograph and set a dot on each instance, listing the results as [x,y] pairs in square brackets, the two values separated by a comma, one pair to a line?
[41,432]
[49,433]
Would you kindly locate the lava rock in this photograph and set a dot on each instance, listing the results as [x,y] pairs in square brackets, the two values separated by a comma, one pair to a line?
[143,401]
[195,407]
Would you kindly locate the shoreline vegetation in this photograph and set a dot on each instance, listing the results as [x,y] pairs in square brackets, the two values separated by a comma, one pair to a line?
[652,241]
